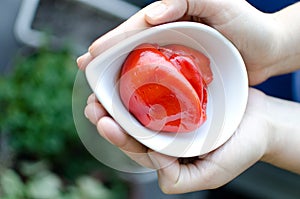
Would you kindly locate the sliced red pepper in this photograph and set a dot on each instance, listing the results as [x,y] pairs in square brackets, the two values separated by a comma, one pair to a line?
[164,88]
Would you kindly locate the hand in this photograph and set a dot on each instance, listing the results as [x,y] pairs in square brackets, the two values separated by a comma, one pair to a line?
[256,35]
[252,32]
[247,146]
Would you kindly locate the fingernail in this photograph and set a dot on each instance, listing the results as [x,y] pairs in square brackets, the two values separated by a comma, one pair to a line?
[85,114]
[156,10]
[80,60]
[83,61]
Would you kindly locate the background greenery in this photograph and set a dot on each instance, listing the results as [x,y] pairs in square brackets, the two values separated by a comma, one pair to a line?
[41,154]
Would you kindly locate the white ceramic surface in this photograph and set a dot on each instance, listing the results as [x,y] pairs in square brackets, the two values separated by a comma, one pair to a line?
[228,92]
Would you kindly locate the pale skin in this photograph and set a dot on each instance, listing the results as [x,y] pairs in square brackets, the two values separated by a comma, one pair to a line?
[269,131]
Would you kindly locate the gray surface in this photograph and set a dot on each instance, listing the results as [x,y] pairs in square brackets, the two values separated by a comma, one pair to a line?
[73,23]
[8,44]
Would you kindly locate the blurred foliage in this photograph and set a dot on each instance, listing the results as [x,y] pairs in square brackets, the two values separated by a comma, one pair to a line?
[44,184]
[36,124]
[36,103]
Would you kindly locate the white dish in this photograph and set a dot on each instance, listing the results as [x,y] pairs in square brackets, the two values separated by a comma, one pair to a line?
[228,92]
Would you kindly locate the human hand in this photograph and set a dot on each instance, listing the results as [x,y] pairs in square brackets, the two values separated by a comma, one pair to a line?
[254,33]
[213,170]
[248,145]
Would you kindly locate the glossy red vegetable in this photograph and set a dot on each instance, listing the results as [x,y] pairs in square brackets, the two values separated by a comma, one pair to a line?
[165,88]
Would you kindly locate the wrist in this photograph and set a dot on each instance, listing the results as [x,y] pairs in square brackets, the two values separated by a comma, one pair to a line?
[283,136]
[260,106]
[286,29]
[259,124]
[276,53]
[277,116]
[272,134]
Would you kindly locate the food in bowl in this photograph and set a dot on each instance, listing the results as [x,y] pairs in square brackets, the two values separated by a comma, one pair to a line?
[227,99]
[165,87]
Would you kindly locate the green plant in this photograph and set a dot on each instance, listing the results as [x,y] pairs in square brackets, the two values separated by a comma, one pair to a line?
[37,123]
[41,183]
[36,103]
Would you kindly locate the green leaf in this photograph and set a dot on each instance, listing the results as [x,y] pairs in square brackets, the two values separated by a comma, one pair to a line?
[30,169]
[44,186]
[11,184]
[92,189]
[36,103]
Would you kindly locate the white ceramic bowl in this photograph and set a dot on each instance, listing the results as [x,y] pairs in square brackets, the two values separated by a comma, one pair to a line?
[228,92]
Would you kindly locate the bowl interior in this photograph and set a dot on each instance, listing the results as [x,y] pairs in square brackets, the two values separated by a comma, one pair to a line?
[227,98]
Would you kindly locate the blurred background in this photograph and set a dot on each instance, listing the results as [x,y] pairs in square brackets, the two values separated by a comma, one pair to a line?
[41,153]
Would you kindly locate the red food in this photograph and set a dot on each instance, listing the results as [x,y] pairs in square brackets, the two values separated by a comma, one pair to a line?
[165,88]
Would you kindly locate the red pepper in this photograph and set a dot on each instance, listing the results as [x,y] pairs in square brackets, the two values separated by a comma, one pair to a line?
[165,88]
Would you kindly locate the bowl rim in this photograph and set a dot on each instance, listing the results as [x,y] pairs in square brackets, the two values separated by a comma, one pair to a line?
[89,72]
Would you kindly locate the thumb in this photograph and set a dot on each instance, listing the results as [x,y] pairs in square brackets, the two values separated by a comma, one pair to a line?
[165,11]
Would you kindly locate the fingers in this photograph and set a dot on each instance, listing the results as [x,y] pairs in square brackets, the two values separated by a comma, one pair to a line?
[211,171]
[168,171]
[176,177]
[92,98]
[109,129]
[133,25]
[84,60]
[172,10]
[94,110]
[201,174]
[165,11]
[155,13]
[228,161]
[212,12]
[209,11]
[112,132]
